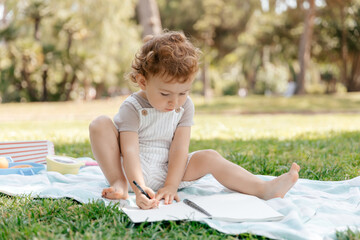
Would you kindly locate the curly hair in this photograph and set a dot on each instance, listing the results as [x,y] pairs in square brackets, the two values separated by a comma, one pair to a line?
[169,54]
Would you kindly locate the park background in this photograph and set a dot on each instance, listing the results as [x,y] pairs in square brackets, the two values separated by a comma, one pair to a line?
[278,83]
[71,50]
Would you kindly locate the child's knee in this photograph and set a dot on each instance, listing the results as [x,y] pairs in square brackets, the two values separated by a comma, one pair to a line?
[99,123]
[207,154]
[206,160]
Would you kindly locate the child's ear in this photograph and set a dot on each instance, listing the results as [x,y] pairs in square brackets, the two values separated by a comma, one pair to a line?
[141,81]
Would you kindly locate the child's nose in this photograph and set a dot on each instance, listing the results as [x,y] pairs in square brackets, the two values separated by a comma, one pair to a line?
[174,101]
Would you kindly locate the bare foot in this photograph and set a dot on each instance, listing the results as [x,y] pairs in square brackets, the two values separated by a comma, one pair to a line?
[279,186]
[115,193]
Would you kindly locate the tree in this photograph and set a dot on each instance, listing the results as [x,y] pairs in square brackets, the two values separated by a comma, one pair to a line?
[59,56]
[213,25]
[339,28]
[353,45]
[305,46]
[149,17]
[36,12]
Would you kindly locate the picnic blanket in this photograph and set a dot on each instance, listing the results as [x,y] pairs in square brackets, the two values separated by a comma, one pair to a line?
[312,209]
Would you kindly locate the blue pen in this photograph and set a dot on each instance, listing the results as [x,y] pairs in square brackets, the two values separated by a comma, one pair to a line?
[141,190]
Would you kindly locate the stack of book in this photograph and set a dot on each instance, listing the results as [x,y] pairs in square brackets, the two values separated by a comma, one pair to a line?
[27,151]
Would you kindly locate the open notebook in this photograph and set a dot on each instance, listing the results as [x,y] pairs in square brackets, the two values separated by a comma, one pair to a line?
[232,207]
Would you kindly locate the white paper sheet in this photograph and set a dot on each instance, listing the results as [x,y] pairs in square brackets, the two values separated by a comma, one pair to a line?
[175,211]
[230,207]
[237,207]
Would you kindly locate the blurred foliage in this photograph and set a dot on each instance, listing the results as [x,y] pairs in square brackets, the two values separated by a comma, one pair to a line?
[272,78]
[243,39]
[62,50]
[81,49]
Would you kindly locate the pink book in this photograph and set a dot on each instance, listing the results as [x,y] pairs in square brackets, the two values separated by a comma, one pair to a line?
[27,151]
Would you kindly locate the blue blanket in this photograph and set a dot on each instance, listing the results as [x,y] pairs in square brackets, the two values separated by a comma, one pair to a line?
[312,209]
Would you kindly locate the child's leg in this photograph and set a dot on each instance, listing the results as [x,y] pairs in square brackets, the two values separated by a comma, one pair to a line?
[237,178]
[105,146]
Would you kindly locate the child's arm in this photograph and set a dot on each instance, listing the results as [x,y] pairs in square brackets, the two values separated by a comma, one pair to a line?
[178,154]
[129,142]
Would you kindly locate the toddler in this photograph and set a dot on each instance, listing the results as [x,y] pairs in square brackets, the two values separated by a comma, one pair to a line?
[148,139]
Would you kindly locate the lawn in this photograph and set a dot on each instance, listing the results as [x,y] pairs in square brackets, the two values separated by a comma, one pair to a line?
[262,134]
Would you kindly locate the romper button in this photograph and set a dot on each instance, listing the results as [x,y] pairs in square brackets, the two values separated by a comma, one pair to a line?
[177,110]
[144,112]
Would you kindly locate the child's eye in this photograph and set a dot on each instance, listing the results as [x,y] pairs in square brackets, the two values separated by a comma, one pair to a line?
[164,94]
[182,94]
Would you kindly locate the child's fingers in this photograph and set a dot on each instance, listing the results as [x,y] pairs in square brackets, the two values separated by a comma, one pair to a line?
[159,196]
[166,199]
[144,202]
[147,204]
[171,199]
[155,203]
[150,192]
[177,198]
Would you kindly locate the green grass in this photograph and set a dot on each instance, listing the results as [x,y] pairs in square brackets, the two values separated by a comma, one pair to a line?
[24,218]
[325,145]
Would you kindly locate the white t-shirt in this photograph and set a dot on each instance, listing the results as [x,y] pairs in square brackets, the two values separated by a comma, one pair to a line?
[127,119]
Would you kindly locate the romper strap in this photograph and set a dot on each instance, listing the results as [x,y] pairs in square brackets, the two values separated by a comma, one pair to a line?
[134,102]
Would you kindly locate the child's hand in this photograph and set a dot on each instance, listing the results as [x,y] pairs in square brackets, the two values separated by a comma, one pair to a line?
[143,202]
[168,193]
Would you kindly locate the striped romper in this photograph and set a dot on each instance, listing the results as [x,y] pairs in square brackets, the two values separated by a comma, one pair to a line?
[156,131]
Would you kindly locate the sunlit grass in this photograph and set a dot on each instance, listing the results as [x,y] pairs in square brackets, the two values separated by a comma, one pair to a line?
[206,126]
[279,104]
[282,126]
[232,104]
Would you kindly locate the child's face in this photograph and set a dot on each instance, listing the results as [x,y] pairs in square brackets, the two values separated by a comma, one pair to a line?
[165,96]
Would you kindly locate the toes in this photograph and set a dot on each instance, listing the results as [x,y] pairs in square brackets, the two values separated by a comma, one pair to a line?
[106,191]
[294,172]
[112,193]
[295,167]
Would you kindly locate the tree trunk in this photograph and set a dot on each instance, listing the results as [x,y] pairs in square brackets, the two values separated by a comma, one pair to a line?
[305,47]
[63,85]
[86,89]
[149,17]
[354,80]
[37,29]
[71,88]
[344,46]
[100,88]
[206,81]
[44,83]
[26,77]
[69,43]
[251,77]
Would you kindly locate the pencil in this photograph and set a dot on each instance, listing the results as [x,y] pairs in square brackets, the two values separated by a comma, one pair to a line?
[141,190]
